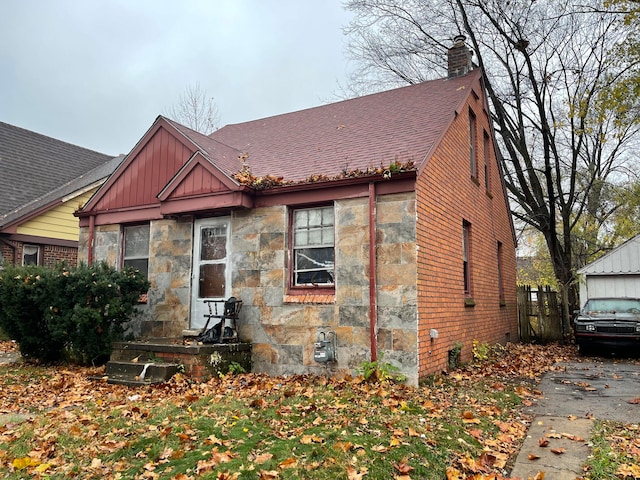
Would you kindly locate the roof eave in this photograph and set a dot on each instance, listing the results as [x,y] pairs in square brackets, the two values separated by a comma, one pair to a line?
[336,182]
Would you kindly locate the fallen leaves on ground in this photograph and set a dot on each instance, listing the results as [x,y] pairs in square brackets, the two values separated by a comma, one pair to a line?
[467,425]
[8,346]
[616,445]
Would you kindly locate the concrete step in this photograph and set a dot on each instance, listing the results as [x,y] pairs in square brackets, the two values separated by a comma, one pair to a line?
[139,373]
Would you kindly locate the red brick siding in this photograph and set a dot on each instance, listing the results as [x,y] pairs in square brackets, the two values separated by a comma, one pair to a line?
[447,196]
[53,255]
[6,253]
[50,255]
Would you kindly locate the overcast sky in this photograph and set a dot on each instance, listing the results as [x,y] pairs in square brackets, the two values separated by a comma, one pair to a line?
[97,73]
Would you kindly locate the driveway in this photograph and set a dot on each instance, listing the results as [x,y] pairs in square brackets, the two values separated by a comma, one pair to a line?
[592,387]
[572,397]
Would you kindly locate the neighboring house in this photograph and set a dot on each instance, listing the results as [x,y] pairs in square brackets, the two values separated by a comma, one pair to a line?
[382,219]
[616,274]
[42,182]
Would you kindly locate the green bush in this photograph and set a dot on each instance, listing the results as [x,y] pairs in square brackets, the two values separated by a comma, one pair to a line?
[68,314]
[379,371]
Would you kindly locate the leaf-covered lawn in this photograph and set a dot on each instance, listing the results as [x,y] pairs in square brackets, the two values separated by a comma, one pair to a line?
[56,423]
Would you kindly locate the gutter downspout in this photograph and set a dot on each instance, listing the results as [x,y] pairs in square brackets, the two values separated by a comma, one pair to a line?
[92,226]
[373,284]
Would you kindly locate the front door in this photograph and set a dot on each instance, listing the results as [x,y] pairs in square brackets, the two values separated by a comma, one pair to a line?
[210,273]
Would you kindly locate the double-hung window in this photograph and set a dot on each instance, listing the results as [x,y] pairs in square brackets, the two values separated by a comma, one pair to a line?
[466,258]
[136,248]
[313,247]
[487,184]
[500,279]
[473,155]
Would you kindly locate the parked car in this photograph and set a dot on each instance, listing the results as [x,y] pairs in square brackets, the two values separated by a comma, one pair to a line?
[608,322]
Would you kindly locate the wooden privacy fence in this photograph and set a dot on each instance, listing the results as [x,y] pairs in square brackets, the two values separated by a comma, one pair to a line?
[539,315]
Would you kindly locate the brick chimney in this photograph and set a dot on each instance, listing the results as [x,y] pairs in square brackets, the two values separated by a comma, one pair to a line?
[459,57]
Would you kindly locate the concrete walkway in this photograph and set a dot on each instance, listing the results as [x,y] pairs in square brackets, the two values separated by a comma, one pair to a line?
[568,438]
[593,388]
[9,357]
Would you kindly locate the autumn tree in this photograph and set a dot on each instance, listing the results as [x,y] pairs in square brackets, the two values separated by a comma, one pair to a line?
[563,93]
[196,110]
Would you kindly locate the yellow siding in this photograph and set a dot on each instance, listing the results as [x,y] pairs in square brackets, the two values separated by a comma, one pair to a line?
[58,222]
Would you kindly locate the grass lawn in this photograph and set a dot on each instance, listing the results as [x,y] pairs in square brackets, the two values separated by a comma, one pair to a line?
[56,423]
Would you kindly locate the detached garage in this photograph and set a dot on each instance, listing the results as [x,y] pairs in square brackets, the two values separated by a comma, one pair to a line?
[616,274]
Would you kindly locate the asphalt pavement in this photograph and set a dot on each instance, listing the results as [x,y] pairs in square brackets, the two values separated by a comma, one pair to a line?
[572,398]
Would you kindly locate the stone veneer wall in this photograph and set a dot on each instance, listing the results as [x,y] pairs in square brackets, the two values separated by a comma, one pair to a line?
[397,289]
[169,299]
[166,313]
[281,327]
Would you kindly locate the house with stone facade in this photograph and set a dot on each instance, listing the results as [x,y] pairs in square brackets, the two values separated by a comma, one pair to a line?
[43,181]
[380,222]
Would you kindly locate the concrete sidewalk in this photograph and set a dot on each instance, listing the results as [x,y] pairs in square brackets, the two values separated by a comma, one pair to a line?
[9,357]
[568,438]
[575,395]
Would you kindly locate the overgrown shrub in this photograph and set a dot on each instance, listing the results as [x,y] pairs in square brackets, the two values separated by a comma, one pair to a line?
[68,314]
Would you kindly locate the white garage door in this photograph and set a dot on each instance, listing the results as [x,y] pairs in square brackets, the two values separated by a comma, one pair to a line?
[613,286]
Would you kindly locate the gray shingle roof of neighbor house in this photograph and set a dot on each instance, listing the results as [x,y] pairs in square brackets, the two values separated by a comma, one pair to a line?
[33,165]
[400,125]
[87,180]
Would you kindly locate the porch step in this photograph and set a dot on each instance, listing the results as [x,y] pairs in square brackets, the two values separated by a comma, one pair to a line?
[195,360]
[137,373]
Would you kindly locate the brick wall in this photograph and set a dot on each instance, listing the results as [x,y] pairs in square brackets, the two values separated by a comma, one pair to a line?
[50,255]
[6,252]
[447,196]
[53,255]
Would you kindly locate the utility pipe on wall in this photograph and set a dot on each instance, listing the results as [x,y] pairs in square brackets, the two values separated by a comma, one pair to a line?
[373,284]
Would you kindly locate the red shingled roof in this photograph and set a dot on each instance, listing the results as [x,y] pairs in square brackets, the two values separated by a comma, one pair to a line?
[397,125]
[225,157]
